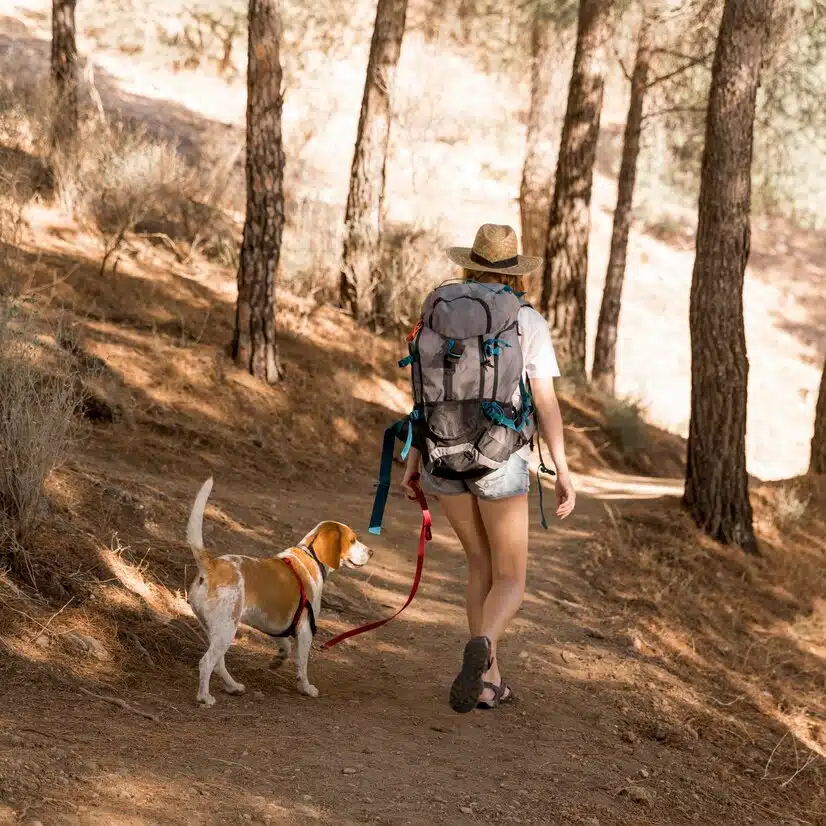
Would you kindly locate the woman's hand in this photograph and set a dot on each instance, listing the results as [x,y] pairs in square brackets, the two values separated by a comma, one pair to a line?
[411,472]
[565,496]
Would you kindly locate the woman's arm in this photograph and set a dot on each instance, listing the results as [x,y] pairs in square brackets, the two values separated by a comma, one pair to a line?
[549,421]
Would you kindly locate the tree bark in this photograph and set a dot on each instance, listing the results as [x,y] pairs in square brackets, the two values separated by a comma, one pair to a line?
[549,47]
[361,259]
[716,490]
[254,345]
[817,463]
[605,348]
[566,256]
[64,78]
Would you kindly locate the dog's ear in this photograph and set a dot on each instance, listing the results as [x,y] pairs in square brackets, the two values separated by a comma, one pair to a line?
[330,543]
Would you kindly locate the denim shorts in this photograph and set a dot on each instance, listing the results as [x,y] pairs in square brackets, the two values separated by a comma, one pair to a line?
[512,479]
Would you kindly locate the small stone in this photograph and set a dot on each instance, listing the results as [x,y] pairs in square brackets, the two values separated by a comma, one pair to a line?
[640,795]
[645,773]
[523,655]
[43,641]
[628,737]
[466,810]
[88,644]
[637,644]
[348,771]
[307,798]
[16,740]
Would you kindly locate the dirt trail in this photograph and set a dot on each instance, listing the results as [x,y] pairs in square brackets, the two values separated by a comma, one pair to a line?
[380,745]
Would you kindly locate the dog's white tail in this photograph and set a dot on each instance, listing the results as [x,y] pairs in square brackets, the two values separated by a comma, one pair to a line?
[194,528]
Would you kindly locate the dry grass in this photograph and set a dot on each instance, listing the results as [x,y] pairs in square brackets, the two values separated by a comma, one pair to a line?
[38,400]
[790,506]
[625,423]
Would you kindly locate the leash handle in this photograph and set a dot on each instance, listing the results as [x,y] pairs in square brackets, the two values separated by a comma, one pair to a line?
[425,535]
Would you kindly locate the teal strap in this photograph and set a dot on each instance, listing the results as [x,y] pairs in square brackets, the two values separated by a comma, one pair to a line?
[385,474]
[407,361]
[408,442]
[494,411]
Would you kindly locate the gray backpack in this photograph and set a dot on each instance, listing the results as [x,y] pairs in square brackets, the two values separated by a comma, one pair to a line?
[466,372]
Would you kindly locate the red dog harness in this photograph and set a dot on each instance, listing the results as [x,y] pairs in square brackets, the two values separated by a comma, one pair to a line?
[303,599]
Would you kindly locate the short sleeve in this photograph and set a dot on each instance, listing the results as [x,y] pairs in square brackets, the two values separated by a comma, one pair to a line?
[537,347]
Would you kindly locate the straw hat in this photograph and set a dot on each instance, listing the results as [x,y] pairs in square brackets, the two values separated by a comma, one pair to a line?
[494,250]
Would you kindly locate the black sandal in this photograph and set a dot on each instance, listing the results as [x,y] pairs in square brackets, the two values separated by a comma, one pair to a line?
[469,685]
[501,694]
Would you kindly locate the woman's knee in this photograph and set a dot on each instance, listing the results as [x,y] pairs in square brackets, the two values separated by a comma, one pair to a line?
[513,583]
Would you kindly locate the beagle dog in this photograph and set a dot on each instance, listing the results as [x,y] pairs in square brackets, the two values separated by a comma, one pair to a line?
[279,595]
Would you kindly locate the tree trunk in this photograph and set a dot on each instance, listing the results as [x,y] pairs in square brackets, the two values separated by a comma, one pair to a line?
[605,348]
[566,256]
[64,78]
[549,79]
[253,344]
[716,490]
[817,463]
[361,264]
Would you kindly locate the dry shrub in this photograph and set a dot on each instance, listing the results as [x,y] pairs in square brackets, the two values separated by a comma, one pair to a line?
[413,264]
[625,423]
[38,399]
[122,176]
[12,227]
[311,250]
[790,506]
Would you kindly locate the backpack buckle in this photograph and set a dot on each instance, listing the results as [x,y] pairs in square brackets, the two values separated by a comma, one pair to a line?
[455,349]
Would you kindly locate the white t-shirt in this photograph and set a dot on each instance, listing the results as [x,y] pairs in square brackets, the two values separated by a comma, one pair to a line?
[537,354]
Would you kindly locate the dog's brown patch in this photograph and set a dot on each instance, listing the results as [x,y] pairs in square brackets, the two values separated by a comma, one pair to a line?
[272,588]
[220,573]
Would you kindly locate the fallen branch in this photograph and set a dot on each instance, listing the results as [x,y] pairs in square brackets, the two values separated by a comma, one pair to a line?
[116,701]
[49,622]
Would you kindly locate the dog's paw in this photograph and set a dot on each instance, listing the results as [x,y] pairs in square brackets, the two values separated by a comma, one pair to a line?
[238,688]
[206,700]
[308,690]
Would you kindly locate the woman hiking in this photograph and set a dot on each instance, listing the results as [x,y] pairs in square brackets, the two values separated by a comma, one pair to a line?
[489,512]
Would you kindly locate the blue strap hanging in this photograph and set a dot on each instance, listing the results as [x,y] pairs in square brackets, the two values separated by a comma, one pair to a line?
[402,430]
[385,474]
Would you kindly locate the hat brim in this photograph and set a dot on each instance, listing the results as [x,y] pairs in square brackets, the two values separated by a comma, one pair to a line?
[525,263]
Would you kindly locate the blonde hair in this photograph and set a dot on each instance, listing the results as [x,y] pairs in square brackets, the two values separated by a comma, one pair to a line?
[515,282]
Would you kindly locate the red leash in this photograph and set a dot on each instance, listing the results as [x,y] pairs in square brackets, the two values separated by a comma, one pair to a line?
[424,537]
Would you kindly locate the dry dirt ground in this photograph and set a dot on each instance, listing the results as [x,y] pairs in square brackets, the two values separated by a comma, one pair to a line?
[661,679]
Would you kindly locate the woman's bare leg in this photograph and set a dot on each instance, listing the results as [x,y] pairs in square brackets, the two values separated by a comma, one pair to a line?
[462,511]
[506,531]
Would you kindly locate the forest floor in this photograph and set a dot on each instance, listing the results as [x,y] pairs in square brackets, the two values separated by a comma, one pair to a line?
[661,679]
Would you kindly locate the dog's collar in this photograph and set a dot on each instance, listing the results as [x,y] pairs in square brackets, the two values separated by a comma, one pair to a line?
[321,566]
